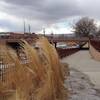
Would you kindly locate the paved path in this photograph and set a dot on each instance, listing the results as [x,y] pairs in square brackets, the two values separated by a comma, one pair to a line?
[83,62]
[80,87]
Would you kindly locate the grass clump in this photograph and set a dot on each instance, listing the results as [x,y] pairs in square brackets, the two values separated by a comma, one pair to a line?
[42,78]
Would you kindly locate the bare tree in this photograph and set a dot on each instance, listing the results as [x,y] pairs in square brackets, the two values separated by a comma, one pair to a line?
[84,27]
[98,32]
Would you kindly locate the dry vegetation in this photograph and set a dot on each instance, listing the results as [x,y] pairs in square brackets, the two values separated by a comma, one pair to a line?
[42,78]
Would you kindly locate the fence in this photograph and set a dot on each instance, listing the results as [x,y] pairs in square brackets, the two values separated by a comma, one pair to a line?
[66,52]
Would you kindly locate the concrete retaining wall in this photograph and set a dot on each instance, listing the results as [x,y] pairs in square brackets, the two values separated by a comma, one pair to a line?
[94,53]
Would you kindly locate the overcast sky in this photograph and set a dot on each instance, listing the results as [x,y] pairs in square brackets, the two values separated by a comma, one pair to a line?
[55,15]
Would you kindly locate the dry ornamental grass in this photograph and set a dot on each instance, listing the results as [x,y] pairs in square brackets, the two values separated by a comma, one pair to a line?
[41,78]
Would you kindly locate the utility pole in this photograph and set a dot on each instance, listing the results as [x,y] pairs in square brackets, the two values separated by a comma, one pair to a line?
[29,27]
[24,27]
[52,34]
[44,31]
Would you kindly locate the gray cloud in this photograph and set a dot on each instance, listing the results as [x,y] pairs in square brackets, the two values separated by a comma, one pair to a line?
[44,12]
[43,9]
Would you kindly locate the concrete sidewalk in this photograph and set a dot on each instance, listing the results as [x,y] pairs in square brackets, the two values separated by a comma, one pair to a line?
[83,62]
